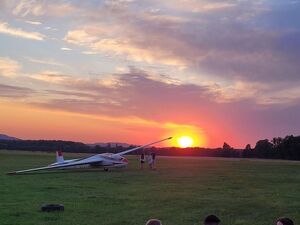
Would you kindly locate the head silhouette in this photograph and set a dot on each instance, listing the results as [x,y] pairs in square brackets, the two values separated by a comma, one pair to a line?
[284,221]
[153,222]
[212,220]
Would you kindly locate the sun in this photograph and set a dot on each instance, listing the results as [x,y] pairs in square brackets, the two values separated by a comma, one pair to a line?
[185,141]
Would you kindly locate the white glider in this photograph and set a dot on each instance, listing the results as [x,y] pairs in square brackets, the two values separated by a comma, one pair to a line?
[104,160]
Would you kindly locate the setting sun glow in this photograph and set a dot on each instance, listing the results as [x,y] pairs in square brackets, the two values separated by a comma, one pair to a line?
[185,141]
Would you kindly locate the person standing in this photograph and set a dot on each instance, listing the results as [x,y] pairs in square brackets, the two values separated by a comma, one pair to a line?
[149,160]
[153,156]
[142,160]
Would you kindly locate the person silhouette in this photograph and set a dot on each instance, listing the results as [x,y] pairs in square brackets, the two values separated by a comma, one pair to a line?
[284,221]
[153,222]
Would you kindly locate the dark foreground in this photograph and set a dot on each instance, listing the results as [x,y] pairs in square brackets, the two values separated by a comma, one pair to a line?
[181,192]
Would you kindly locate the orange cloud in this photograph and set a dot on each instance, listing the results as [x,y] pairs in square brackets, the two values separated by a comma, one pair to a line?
[36,123]
[136,103]
[50,77]
[136,53]
[9,67]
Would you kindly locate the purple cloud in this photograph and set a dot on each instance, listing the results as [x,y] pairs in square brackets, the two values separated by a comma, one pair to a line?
[141,96]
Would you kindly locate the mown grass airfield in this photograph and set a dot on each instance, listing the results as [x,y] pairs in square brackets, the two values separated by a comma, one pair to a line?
[181,191]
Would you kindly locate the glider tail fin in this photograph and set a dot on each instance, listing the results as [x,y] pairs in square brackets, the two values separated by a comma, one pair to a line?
[59,157]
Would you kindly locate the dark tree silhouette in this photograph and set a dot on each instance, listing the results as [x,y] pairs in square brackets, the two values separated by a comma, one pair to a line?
[226,146]
[279,148]
[263,149]
[276,141]
[248,152]
[248,147]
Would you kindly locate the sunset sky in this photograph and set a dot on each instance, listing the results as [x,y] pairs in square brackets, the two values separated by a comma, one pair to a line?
[137,71]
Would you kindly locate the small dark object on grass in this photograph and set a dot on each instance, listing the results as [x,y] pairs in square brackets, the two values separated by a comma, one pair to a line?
[52,207]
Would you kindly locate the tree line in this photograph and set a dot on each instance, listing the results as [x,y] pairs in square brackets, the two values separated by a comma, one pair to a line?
[278,148]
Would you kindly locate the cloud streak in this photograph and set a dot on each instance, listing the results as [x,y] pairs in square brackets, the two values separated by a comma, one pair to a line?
[50,62]
[8,91]
[9,67]
[18,32]
[36,23]
[27,8]
[65,49]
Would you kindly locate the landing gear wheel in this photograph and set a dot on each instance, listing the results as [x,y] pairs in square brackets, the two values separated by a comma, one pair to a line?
[106,169]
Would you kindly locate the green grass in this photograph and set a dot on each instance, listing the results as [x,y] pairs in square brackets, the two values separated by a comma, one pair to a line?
[181,192]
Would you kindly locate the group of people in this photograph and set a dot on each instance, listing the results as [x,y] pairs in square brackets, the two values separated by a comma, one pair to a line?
[214,220]
[149,158]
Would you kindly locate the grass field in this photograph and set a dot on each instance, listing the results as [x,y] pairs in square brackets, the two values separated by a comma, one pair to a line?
[181,192]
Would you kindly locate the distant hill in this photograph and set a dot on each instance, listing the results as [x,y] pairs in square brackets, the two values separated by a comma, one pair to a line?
[111,144]
[8,138]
